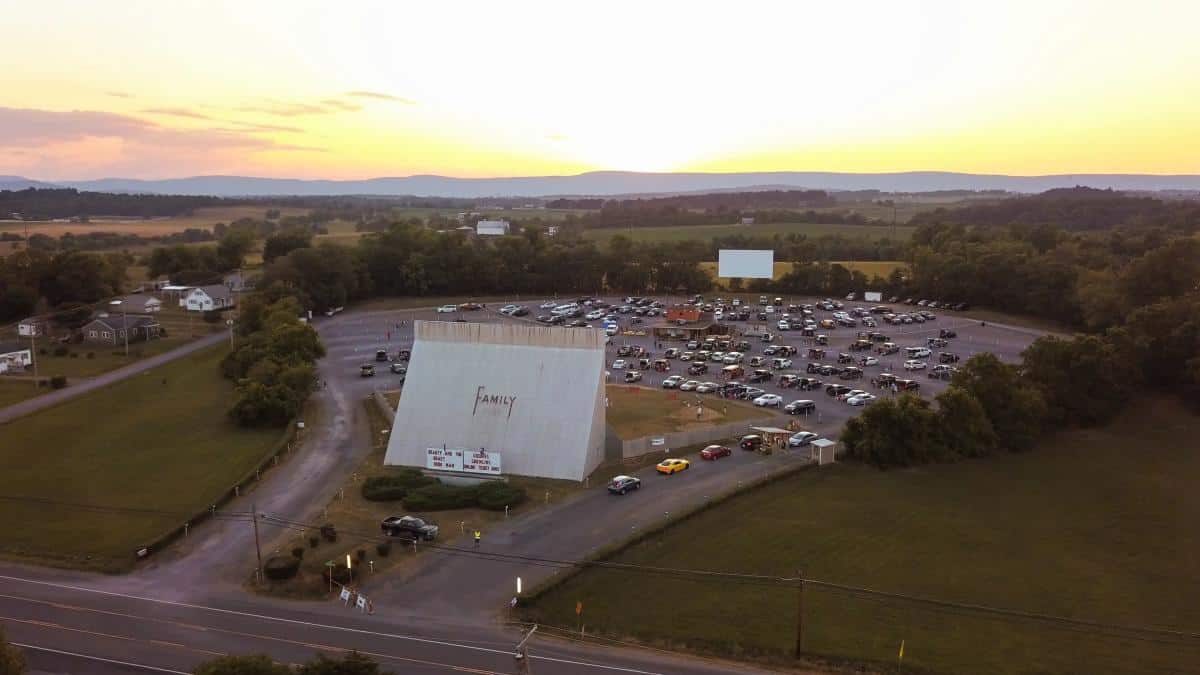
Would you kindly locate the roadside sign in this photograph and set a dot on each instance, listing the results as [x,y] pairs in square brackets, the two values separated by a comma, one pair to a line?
[578,607]
[345,595]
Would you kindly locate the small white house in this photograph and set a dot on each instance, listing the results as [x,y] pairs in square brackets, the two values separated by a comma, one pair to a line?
[491,228]
[140,304]
[31,327]
[207,298]
[15,358]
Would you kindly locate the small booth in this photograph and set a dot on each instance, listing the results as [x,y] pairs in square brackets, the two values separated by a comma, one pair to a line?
[695,330]
[824,451]
[774,438]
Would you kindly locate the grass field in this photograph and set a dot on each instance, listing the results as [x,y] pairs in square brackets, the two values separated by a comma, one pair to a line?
[1097,525]
[871,268]
[640,411]
[707,232]
[203,218]
[14,391]
[104,359]
[157,441]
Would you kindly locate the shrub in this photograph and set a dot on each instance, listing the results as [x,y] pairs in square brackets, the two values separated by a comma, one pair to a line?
[329,532]
[298,552]
[212,316]
[58,381]
[162,332]
[440,497]
[383,548]
[340,573]
[495,495]
[394,486]
[361,554]
[74,355]
[42,351]
[61,350]
[91,355]
[280,567]
[313,542]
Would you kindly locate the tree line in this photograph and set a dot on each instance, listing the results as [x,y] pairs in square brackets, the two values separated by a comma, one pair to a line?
[723,202]
[45,204]
[1078,208]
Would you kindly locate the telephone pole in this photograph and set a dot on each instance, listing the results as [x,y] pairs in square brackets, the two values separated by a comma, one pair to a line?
[521,652]
[257,546]
[800,617]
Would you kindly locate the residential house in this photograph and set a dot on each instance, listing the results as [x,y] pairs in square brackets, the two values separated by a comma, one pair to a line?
[31,327]
[14,357]
[140,304]
[111,329]
[207,298]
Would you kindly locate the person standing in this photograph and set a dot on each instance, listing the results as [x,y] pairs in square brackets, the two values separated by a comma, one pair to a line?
[478,536]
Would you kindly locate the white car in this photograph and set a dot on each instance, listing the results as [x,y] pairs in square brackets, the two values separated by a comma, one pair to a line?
[687,356]
[594,314]
[690,385]
[868,361]
[913,364]
[508,309]
[801,439]
[611,329]
[861,399]
[733,358]
[707,387]
[918,352]
[447,309]
[783,325]
[672,382]
[781,363]
[548,305]
[769,400]
[851,394]
[716,357]
[619,364]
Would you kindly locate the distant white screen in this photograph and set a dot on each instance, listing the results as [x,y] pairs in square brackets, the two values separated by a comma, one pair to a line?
[873,296]
[746,264]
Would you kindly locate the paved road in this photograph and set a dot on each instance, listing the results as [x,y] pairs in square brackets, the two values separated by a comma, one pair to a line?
[82,387]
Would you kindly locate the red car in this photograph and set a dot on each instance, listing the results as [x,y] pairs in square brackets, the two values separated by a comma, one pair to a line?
[715,452]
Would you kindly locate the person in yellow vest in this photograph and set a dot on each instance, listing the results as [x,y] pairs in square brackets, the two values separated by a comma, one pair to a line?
[478,536]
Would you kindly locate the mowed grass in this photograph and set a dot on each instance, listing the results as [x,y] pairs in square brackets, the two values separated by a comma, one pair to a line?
[1097,525]
[203,218]
[104,357]
[158,441]
[871,268]
[707,232]
[14,391]
[640,411]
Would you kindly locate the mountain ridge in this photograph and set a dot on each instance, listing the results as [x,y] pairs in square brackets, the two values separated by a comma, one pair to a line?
[613,183]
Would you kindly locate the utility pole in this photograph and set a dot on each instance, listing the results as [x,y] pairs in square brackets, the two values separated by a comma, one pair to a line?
[521,653]
[257,546]
[33,331]
[800,617]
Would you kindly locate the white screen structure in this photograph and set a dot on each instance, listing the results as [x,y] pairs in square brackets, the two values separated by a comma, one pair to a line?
[746,264]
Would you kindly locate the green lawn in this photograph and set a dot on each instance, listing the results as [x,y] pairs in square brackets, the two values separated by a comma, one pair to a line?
[158,441]
[871,268]
[76,363]
[15,391]
[634,411]
[707,232]
[1098,525]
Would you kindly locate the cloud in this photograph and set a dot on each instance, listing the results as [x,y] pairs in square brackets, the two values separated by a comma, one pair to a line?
[341,105]
[176,112]
[292,109]
[381,97]
[119,94]
[254,126]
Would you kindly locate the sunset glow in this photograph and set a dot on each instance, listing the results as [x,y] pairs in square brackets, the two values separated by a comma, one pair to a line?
[355,90]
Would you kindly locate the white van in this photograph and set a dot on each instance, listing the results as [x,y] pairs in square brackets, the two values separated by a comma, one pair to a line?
[917,352]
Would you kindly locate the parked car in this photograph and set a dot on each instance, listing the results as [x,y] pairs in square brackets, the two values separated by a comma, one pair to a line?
[707,387]
[936,342]
[851,373]
[769,401]
[867,361]
[399,368]
[801,407]
[366,370]
[619,364]
[447,309]
[759,375]
[913,364]
[690,385]
[672,466]
[751,442]
[381,355]
[409,526]
[836,389]
[672,382]
[860,400]
[633,376]
[619,485]
[917,352]
[801,439]
[808,384]
[948,357]
[714,452]
[788,380]
[947,333]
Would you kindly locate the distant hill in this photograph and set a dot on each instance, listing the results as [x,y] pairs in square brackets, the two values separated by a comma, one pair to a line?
[608,183]
[19,183]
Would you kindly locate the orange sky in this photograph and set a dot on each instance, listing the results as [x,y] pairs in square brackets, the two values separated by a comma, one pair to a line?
[355,90]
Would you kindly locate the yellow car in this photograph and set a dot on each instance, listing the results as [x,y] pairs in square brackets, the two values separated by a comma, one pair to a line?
[670,466]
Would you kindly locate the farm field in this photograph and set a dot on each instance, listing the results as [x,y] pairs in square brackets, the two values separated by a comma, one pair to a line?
[1096,525]
[156,441]
[871,268]
[634,412]
[707,232]
[203,218]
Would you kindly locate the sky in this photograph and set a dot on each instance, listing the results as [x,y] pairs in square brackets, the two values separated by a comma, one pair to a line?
[348,90]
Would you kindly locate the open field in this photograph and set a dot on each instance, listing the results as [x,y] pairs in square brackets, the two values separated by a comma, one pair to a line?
[1095,525]
[871,268]
[640,411]
[14,391]
[159,441]
[203,218]
[707,232]
[104,357]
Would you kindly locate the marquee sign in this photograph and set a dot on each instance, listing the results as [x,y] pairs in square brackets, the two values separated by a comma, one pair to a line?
[462,460]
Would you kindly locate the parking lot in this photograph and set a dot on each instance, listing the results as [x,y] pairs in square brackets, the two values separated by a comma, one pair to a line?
[353,339]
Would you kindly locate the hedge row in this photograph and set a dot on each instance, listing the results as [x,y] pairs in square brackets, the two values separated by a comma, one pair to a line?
[395,486]
[426,493]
